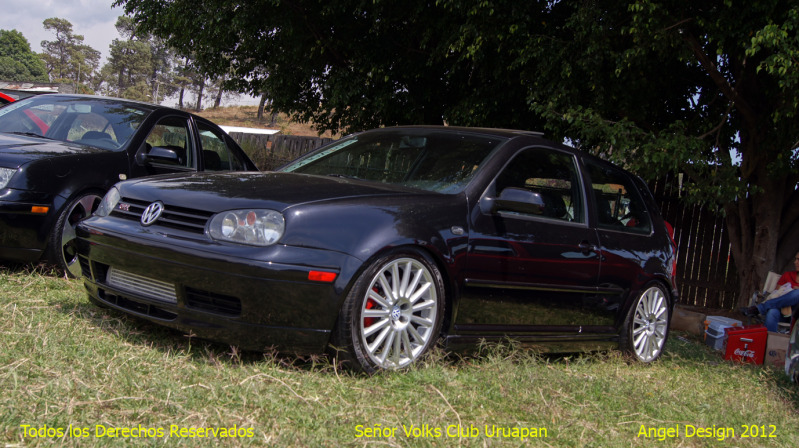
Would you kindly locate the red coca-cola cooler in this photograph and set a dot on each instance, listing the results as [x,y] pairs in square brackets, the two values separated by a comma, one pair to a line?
[746,344]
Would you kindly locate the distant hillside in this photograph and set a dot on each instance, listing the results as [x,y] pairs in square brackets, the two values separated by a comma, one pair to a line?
[246,116]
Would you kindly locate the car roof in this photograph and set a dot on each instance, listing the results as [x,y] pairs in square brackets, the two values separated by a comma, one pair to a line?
[471,130]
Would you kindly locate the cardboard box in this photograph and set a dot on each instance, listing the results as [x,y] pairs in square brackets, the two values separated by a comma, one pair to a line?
[776,348]
[689,321]
[746,344]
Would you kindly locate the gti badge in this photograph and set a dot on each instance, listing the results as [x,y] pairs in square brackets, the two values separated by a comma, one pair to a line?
[152,213]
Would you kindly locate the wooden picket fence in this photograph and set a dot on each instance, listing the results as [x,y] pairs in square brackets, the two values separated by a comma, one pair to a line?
[272,151]
[706,274]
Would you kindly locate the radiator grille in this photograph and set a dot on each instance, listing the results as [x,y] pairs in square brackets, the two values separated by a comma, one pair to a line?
[143,286]
[187,219]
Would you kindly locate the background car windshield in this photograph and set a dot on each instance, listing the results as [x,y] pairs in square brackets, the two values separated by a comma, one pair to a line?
[430,160]
[106,124]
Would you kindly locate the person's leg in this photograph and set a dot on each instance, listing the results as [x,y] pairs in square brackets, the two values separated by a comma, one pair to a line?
[789,299]
[773,317]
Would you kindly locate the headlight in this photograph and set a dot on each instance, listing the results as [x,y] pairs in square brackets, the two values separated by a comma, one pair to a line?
[109,202]
[253,227]
[5,175]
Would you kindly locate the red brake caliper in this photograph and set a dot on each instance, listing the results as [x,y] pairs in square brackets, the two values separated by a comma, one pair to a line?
[368,321]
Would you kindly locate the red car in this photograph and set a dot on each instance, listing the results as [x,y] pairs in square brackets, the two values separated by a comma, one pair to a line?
[5,99]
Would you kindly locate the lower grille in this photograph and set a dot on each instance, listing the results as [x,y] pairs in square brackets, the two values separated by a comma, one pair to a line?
[141,285]
[212,302]
[136,307]
[85,267]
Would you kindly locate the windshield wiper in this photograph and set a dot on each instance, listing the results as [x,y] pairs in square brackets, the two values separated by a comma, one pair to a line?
[31,134]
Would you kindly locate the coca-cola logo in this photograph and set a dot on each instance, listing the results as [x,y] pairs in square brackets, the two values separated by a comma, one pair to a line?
[744,353]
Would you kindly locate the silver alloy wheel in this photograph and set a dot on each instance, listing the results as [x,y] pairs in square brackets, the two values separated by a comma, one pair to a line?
[650,324]
[398,313]
[79,210]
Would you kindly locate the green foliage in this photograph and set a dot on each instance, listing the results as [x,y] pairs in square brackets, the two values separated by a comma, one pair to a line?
[656,85]
[17,61]
[67,57]
[139,65]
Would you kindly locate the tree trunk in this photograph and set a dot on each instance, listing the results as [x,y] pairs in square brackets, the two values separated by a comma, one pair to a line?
[754,223]
[218,99]
[200,90]
[261,107]
[180,97]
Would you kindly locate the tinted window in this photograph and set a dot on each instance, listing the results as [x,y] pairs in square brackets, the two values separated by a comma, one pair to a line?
[619,205]
[217,156]
[173,133]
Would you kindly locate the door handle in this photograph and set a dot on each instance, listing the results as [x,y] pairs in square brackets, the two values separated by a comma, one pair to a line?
[586,247]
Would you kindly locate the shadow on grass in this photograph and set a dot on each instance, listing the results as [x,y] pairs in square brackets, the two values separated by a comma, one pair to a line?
[142,333]
[682,351]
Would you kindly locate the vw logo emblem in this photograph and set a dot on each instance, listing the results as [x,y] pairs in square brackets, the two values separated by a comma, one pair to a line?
[152,213]
[396,313]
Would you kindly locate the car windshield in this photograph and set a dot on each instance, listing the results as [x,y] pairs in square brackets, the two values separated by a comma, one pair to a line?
[433,160]
[102,123]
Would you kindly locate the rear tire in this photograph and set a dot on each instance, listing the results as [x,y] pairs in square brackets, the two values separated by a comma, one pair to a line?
[646,327]
[393,313]
[61,247]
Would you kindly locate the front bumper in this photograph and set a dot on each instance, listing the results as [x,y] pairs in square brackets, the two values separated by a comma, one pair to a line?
[255,304]
[23,234]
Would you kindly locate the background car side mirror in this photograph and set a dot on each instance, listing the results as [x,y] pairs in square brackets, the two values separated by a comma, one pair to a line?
[518,200]
[158,154]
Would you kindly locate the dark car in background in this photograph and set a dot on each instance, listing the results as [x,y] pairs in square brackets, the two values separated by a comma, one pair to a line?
[59,154]
[382,243]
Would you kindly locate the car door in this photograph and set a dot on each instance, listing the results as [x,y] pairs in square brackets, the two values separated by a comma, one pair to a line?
[532,263]
[624,228]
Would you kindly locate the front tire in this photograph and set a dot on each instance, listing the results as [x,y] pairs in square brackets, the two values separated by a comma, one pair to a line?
[393,313]
[646,327]
[62,250]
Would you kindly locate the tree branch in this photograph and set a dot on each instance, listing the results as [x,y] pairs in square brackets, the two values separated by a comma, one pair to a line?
[704,60]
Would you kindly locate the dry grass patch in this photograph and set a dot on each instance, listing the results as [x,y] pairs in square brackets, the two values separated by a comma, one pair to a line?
[68,365]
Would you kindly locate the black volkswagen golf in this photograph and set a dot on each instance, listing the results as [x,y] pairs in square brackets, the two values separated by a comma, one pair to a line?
[59,154]
[383,243]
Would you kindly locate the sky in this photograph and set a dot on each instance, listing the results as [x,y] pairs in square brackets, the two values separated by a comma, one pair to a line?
[92,19]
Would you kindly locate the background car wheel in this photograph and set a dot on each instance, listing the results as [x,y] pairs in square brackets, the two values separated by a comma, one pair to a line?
[392,315]
[647,325]
[62,251]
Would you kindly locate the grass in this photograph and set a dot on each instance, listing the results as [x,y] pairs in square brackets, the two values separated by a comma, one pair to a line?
[68,366]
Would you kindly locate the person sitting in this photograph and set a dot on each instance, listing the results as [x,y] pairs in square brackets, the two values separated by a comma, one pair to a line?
[771,308]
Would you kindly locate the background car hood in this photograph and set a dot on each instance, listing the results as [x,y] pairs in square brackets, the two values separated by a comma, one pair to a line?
[272,190]
[17,150]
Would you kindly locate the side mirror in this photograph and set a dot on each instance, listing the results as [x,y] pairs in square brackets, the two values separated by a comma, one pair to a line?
[519,200]
[159,155]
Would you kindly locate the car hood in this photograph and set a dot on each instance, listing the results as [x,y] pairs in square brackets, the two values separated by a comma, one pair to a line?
[17,150]
[272,190]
